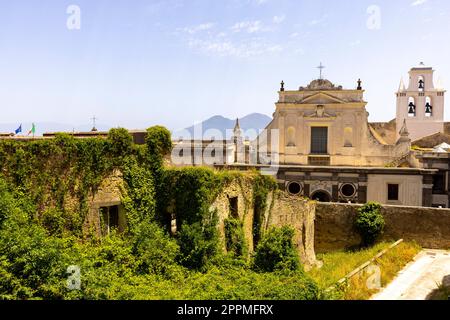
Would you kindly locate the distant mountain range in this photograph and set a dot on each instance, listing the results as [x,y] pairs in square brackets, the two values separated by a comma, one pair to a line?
[224,126]
[206,129]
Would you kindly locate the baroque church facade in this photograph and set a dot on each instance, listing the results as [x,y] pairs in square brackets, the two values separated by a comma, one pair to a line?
[324,124]
[327,149]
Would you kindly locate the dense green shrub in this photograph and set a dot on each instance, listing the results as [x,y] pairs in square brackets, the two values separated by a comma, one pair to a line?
[32,263]
[187,195]
[7,206]
[370,223]
[159,144]
[40,237]
[52,171]
[121,143]
[234,238]
[156,252]
[276,251]
[198,244]
[262,186]
[138,197]
[237,283]
[192,190]
[53,220]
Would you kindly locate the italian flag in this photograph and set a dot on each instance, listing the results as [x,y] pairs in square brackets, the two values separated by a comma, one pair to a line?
[33,130]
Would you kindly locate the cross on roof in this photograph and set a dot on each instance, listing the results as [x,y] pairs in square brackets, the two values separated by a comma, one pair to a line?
[321,67]
[94,119]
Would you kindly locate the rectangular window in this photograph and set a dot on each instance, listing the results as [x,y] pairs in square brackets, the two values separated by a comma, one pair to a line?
[234,208]
[393,192]
[439,183]
[114,217]
[110,217]
[319,140]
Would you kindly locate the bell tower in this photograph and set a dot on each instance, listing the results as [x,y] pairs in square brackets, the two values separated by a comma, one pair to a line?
[421,104]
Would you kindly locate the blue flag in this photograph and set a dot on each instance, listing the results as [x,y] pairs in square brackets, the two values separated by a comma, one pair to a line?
[19,129]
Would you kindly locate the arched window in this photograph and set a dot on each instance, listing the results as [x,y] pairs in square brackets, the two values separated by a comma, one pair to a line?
[428,107]
[421,84]
[411,107]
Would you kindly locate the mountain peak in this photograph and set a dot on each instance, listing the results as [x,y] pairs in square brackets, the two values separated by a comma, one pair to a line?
[218,123]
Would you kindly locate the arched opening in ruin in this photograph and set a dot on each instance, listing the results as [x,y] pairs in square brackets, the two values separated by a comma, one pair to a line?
[321,196]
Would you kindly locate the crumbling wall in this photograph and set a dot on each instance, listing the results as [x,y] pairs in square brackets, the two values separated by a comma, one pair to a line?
[299,213]
[334,226]
[108,194]
[243,191]
[281,210]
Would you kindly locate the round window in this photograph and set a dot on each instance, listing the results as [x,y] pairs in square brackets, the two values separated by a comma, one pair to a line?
[348,190]
[294,188]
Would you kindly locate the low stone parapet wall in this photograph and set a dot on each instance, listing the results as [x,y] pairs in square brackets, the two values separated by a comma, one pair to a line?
[334,226]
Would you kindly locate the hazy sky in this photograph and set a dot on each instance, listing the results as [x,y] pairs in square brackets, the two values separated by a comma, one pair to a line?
[172,62]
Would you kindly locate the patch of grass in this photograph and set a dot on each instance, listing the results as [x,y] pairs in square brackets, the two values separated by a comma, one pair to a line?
[441,293]
[338,264]
[390,265]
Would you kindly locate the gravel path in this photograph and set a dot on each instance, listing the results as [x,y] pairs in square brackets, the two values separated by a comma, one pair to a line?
[420,278]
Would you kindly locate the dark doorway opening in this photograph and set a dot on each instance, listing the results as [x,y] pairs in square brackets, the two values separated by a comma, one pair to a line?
[321,196]
[234,207]
[110,217]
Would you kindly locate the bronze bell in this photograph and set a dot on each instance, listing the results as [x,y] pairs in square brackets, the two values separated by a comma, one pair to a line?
[412,108]
[421,84]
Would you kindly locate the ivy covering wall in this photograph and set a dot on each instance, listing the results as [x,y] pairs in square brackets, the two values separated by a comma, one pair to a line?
[40,181]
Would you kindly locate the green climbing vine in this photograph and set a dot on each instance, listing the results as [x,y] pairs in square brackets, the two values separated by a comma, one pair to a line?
[44,199]
[262,186]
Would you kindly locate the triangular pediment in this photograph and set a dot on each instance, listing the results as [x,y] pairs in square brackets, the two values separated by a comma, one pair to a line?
[321,98]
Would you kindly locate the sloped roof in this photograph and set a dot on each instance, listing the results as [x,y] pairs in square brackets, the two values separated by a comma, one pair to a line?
[440,150]
[377,136]
[432,141]
[443,145]
[385,131]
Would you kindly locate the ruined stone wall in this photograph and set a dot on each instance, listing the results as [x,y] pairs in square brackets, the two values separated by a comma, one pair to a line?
[299,213]
[108,194]
[282,209]
[243,191]
[334,226]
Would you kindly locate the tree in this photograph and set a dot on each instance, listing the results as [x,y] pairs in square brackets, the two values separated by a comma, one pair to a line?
[370,223]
